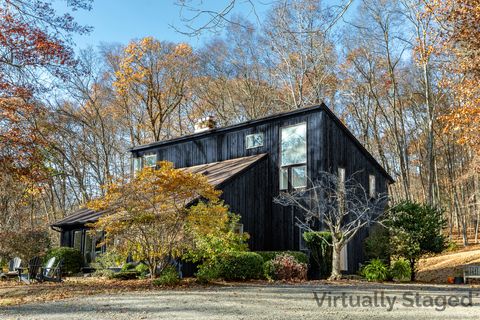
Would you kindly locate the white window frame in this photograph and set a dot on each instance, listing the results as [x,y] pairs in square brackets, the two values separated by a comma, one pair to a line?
[289,167]
[306,144]
[253,135]
[149,156]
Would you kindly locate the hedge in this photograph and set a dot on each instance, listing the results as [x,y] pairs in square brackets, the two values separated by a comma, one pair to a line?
[72,259]
[241,266]
[270,255]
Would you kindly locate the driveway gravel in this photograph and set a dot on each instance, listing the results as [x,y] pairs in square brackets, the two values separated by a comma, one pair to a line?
[265,302]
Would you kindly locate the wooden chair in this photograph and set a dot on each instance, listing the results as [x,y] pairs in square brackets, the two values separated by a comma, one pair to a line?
[33,269]
[51,271]
[13,266]
[472,272]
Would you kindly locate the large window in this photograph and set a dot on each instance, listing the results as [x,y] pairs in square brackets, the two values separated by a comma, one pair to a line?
[293,157]
[294,145]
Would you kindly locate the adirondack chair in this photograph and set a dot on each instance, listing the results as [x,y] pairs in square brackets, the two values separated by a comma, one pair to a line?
[13,266]
[52,271]
[33,269]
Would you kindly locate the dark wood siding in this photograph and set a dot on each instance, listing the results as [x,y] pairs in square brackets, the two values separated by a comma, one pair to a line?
[251,194]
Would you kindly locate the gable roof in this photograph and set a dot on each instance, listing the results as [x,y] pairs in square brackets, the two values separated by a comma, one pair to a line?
[302,111]
[217,174]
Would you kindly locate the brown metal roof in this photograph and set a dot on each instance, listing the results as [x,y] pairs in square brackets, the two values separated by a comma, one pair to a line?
[217,173]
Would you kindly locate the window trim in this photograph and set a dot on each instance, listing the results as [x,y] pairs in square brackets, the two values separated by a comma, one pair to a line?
[290,166]
[306,143]
[144,160]
[254,146]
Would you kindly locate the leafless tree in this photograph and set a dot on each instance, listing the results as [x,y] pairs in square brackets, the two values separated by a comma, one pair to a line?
[341,205]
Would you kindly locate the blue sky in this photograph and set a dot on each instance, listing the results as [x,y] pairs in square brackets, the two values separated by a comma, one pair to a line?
[119,21]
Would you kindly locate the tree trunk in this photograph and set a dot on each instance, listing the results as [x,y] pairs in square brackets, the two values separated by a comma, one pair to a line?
[413,269]
[336,267]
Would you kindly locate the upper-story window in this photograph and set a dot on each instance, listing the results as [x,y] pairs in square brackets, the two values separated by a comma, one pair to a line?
[254,140]
[150,160]
[293,157]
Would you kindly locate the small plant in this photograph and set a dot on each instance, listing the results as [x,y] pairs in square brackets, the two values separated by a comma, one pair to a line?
[269,270]
[319,244]
[168,277]
[451,246]
[142,270]
[128,266]
[287,268]
[375,270]
[72,259]
[400,270]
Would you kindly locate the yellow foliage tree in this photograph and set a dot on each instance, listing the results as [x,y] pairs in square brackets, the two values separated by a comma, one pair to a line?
[163,214]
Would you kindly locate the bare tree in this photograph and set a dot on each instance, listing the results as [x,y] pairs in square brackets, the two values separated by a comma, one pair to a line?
[341,205]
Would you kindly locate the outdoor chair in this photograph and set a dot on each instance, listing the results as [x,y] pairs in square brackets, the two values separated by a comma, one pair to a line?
[13,266]
[52,271]
[33,269]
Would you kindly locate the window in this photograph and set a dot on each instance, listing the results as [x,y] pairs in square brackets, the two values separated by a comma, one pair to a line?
[137,165]
[293,157]
[294,144]
[238,228]
[254,140]
[77,240]
[150,160]
[371,186]
[299,176]
[283,178]
[341,179]
[89,248]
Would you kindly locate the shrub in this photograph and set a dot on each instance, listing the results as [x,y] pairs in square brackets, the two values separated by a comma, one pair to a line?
[285,267]
[375,270]
[400,270]
[129,266]
[103,262]
[377,244]
[125,275]
[207,273]
[241,266]
[168,277]
[270,255]
[269,270]
[319,244]
[72,259]
[142,270]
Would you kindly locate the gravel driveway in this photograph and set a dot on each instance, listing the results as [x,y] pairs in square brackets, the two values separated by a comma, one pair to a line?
[264,302]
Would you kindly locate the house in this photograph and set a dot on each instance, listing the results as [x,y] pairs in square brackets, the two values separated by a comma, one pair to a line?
[252,162]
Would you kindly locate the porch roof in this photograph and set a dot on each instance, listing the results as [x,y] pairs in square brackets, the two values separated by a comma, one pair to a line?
[217,174]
